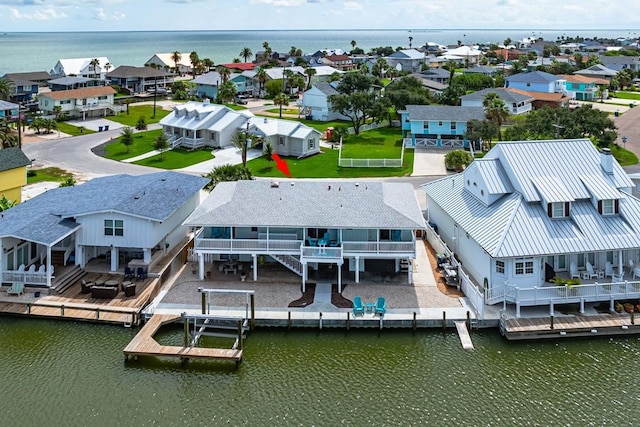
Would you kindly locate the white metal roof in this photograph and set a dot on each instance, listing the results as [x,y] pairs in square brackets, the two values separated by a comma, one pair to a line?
[551,189]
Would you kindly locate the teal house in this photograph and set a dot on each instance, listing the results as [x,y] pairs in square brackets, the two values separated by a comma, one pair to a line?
[437,125]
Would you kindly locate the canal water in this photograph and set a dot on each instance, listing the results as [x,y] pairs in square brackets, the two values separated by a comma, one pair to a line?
[66,373]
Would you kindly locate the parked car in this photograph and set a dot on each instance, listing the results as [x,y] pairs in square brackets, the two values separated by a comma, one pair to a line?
[241,99]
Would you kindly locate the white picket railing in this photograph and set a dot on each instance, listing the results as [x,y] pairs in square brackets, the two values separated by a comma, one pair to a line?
[369,163]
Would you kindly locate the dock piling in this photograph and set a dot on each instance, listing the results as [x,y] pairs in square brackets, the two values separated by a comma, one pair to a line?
[414,321]
[204,303]
[289,321]
[468,320]
[444,321]
[239,334]
[551,321]
[320,321]
[348,319]
[252,298]
[186,330]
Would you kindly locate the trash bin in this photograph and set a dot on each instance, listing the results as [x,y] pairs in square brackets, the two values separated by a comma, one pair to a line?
[36,294]
[616,113]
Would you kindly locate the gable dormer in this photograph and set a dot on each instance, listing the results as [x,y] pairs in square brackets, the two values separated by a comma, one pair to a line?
[486,180]
[605,198]
[555,198]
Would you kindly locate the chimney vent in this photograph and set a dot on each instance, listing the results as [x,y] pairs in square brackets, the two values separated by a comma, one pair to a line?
[275,184]
[606,161]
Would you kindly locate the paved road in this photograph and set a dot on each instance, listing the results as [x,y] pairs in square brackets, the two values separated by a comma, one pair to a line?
[628,125]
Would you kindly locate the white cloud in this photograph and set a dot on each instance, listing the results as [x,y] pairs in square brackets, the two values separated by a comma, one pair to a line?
[100,15]
[38,15]
[352,5]
[286,3]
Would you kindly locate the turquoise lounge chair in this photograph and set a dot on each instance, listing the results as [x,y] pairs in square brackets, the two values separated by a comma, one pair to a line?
[16,289]
[358,306]
[380,307]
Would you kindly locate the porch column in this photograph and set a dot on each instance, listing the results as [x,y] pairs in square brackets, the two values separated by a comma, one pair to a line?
[48,266]
[518,310]
[611,306]
[201,266]
[357,269]
[551,310]
[304,277]
[80,255]
[146,257]
[620,264]
[581,305]
[114,259]
[339,278]
[397,265]
[255,267]
[410,273]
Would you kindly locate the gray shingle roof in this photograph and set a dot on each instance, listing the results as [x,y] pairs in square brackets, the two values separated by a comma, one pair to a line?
[51,215]
[445,113]
[11,158]
[506,95]
[6,105]
[143,72]
[533,77]
[308,203]
[326,88]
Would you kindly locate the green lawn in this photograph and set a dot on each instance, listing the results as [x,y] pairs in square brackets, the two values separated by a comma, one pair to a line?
[624,157]
[73,130]
[284,110]
[626,95]
[322,126]
[143,143]
[378,143]
[136,111]
[52,174]
[177,159]
[236,107]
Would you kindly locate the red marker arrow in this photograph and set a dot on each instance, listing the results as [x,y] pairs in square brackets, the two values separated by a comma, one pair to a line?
[281,165]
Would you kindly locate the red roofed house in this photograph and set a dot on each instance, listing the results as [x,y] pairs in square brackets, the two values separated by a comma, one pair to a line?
[84,102]
[240,66]
[339,62]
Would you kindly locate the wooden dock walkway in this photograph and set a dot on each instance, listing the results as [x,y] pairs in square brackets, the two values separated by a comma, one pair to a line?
[463,333]
[143,344]
[569,326]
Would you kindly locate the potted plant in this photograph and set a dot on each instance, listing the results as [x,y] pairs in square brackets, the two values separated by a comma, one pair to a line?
[561,284]
[618,307]
[628,307]
[571,286]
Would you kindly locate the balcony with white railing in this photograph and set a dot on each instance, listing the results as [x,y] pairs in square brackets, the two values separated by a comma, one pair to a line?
[237,246]
[545,295]
[26,277]
[328,254]
[386,248]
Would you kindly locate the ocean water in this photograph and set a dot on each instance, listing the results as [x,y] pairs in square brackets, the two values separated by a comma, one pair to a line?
[22,52]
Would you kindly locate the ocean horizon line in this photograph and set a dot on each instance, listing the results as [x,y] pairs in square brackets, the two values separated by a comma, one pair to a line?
[320,30]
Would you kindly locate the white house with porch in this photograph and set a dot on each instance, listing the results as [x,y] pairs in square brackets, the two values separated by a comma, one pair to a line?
[533,213]
[117,219]
[305,224]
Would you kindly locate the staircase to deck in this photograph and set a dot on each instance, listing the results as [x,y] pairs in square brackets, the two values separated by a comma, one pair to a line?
[67,279]
[289,261]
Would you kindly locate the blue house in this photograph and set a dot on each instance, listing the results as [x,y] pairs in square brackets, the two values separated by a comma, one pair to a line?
[437,125]
[536,81]
[8,109]
[207,84]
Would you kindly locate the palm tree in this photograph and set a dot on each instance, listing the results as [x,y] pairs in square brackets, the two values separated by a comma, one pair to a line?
[310,72]
[224,73]
[353,45]
[94,63]
[195,61]
[286,77]
[246,53]
[496,111]
[243,141]
[6,88]
[227,91]
[293,51]
[281,100]
[261,75]
[410,41]
[207,64]
[226,172]
[176,57]
[107,67]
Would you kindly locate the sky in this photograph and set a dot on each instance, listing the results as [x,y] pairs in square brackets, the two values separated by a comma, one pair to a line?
[130,15]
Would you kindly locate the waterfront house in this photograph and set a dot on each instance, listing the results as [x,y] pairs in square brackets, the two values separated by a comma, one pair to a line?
[68,83]
[517,101]
[339,62]
[112,219]
[25,86]
[308,224]
[409,60]
[315,103]
[81,67]
[437,125]
[139,79]
[84,102]
[165,62]
[469,54]
[13,172]
[529,211]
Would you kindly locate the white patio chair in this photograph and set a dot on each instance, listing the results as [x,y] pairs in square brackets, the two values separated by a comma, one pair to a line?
[591,272]
[608,270]
[574,270]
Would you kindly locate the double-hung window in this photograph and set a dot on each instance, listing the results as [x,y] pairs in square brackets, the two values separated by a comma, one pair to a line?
[113,227]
